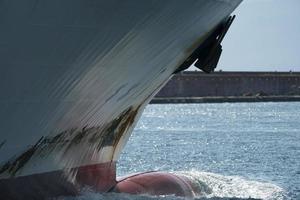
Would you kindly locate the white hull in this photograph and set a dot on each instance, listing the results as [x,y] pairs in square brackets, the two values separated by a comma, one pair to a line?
[84,70]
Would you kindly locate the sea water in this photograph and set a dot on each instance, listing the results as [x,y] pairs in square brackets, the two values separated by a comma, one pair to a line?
[231,150]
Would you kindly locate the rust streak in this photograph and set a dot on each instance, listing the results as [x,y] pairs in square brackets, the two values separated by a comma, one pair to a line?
[99,137]
[20,161]
[2,144]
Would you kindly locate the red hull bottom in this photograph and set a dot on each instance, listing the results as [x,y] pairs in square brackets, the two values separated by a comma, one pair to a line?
[156,183]
[100,177]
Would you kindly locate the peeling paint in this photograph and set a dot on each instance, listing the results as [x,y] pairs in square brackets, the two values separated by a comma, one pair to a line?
[79,135]
[116,92]
[114,130]
[2,143]
[65,141]
[128,92]
[20,161]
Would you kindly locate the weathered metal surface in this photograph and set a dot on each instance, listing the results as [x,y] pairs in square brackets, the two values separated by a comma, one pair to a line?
[2,143]
[13,166]
[100,177]
[64,142]
[67,72]
[76,75]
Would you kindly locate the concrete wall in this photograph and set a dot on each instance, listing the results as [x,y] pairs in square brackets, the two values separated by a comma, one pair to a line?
[198,84]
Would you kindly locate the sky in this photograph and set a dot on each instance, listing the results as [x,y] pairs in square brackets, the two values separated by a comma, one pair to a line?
[265,36]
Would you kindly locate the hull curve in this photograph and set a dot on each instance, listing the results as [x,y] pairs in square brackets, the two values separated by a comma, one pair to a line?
[101,177]
[76,75]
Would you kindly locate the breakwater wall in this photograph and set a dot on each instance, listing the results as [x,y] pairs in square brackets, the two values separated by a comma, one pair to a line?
[197,87]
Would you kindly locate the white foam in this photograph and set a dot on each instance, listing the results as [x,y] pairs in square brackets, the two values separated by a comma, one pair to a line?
[215,185]
[212,187]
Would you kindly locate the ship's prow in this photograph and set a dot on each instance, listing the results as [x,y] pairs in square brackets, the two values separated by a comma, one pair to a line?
[76,76]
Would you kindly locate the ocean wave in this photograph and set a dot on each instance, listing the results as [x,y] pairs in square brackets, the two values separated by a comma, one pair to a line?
[211,186]
[116,196]
[218,186]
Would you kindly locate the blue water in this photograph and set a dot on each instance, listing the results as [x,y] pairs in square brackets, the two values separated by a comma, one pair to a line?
[237,150]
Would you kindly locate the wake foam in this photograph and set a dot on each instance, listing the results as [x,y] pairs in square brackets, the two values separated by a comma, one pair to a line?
[211,186]
[114,196]
[215,185]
